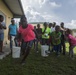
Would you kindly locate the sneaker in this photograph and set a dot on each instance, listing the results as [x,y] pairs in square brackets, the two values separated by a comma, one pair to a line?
[72,58]
[23,63]
[48,52]
[58,55]
[37,51]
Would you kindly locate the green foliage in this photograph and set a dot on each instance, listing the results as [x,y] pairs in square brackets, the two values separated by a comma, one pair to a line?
[74,30]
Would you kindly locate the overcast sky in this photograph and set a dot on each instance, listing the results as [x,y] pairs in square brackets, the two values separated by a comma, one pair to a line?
[51,11]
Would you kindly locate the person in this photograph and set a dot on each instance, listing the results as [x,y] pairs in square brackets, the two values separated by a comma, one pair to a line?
[56,39]
[27,33]
[20,41]
[62,29]
[12,32]
[35,40]
[72,42]
[39,31]
[50,26]
[2,27]
[45,34]
[53,26]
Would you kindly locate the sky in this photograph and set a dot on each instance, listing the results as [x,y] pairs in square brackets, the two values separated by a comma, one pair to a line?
[51,11]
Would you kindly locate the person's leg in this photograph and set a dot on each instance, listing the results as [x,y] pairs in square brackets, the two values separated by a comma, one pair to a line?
[43,41]
[57,49]
[11,42]
[1,46]
[40,40]
[27,51]
[52,47]
[71,51]
[26,54]
[16,42]
[22,47]
[1,42]
[36,45]
[57,52]
[64,49]
[61,48]
[49,46]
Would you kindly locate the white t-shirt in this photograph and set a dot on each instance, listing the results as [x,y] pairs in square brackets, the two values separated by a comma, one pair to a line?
[52,29]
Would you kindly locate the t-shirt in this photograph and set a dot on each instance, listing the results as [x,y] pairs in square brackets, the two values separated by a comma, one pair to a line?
[52,29]
[2,30]
[27,33]
[13,29]
[62,34]
[39,31]
[72,39]
[46,34]
[56,35]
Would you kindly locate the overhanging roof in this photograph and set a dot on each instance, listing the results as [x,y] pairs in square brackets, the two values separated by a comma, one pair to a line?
[15,6]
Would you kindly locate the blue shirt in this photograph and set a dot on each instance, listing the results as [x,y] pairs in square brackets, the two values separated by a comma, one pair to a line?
[13,29]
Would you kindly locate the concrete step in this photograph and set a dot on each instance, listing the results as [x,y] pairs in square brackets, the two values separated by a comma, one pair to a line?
[6,50]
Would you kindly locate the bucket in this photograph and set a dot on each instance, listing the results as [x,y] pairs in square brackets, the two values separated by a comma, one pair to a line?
[16,52]
[44,50]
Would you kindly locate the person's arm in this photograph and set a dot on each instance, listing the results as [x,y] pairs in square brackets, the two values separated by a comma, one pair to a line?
[71,37]
[16,29]
[49,31]
[18,36]
[43,30]
[40,32]
[58,37]
[2,26]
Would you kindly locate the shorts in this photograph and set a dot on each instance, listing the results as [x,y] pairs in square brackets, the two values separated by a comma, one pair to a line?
[1,37]
[45,41]
[27,44]
[57,47]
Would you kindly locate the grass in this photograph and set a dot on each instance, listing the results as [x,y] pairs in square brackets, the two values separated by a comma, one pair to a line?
[38,65]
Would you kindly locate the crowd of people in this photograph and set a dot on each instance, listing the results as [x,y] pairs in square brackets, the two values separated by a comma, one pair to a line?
[51,34]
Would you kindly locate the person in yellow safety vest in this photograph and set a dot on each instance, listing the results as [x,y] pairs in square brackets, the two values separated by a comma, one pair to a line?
[45,34]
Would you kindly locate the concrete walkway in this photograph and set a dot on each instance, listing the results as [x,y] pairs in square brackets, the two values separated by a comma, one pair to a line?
[6,50]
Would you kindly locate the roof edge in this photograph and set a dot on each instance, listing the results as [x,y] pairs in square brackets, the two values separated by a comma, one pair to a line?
[15,15]
[7,6]
[21,6]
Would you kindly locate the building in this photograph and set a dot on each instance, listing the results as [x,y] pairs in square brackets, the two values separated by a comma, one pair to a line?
[10,9]
[35,24]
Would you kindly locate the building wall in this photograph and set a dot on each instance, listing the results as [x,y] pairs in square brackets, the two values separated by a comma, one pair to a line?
[8,16]
[41,25]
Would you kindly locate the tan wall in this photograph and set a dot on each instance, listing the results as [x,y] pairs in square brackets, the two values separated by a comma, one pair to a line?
[41,25]
[8,15]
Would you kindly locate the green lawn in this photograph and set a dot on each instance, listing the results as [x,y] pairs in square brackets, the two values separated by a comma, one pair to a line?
[38,65]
